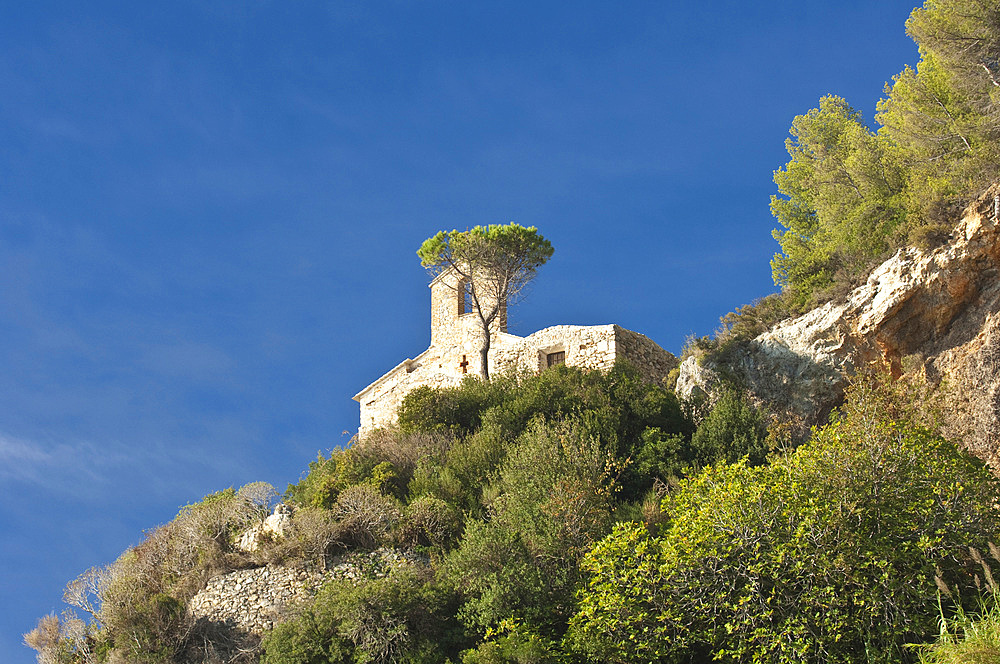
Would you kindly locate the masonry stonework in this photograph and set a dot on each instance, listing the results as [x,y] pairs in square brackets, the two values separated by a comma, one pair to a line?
[456,336]
[254,600]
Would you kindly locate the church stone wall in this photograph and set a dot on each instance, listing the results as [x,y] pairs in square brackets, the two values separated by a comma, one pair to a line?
[652,362]
[456,339]
[380,404]
[588,347]
[594,347]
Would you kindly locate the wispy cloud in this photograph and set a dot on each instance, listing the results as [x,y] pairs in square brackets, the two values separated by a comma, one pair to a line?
[14,451]
[78,469]
[63,467]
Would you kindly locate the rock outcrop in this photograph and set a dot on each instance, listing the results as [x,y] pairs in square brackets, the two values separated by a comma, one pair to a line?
[275,526]
[932,311]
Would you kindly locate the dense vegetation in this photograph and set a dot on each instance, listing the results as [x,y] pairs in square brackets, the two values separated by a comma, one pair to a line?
[849,195]
[575,517]
[831,553]
[572,516]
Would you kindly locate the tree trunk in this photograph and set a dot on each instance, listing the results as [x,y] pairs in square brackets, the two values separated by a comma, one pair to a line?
[484,356]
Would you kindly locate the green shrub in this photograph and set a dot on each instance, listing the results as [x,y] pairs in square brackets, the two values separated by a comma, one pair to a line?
[931,236]
[429,521]
[733,429]
[310,638]
[663,456]
[433,478]
[752,319]
[457,410]
[404,617]
[616,407]
[327,478]
[513,643]
[498,576]
[828,555]
[551,500]
[468,465]
[386,460]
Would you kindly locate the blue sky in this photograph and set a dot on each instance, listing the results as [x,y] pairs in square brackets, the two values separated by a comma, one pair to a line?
[209,212]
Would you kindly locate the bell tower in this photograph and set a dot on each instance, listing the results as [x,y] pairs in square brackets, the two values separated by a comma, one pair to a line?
[453,309]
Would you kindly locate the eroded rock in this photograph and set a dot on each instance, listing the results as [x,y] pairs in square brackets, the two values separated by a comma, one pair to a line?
[940,309]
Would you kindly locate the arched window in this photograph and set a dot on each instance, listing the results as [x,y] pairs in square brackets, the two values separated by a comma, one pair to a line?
[466,304]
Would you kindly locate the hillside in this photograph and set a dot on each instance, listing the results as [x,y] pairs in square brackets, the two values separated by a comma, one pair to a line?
[564,516]
[813,484]
[587,515]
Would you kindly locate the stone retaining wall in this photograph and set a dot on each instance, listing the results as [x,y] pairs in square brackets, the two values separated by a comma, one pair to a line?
[253,600]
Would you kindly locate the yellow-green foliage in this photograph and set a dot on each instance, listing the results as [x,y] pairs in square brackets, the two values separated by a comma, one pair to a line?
[514,643]
[849,194]
[827,555]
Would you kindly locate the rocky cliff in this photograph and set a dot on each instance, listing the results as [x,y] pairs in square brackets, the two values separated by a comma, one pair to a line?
[935,312]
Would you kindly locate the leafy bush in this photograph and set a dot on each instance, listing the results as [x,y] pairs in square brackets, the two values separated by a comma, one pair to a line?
[366,516]
[429,521]
[930,236]
[752,319]
[663,456]
[457,410]
[552,499]
[828,555]
[402,617]
[513,643]
[733,429]
[437,478]
[617,407]
[386,460]
[499,577]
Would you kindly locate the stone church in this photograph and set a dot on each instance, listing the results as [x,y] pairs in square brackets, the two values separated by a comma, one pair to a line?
[456,332]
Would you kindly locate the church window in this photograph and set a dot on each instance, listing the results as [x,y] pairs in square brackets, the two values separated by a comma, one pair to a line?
[466,304]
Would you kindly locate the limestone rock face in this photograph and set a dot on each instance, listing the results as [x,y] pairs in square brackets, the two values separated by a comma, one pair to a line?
[279,524]
[937,309]
[275,526]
